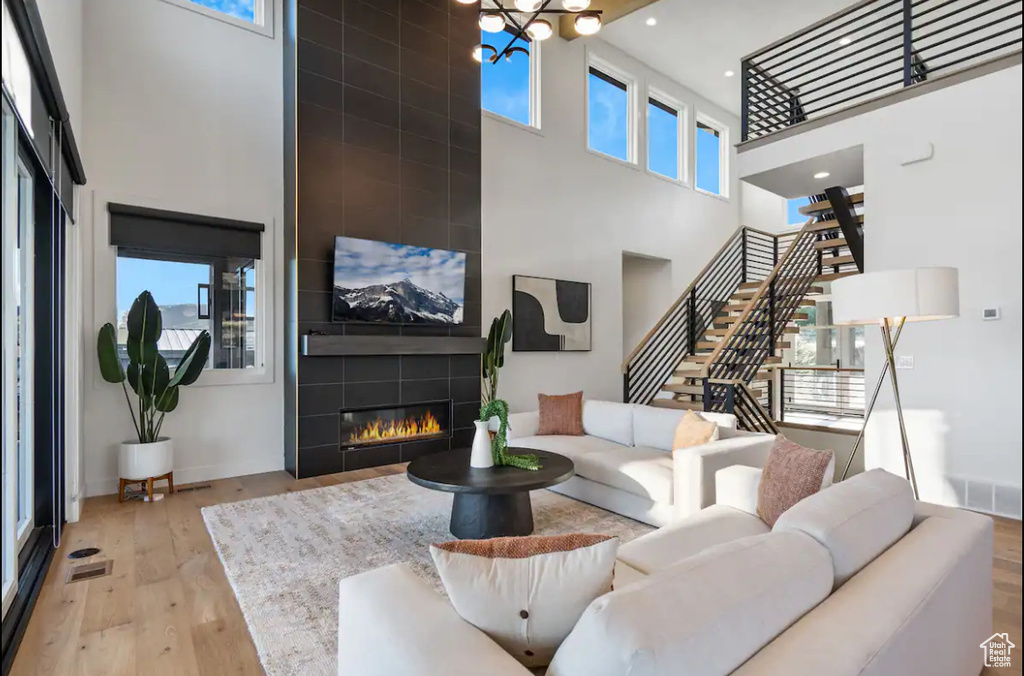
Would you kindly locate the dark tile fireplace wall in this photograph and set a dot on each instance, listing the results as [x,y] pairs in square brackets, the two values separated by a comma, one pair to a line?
[382,142]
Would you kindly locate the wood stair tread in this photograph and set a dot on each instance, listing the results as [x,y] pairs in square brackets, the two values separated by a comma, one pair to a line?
[830,244]
[837,260]
[683,405]
[679,388]
[825,226]
[732,319]
[815,208]
[835,275]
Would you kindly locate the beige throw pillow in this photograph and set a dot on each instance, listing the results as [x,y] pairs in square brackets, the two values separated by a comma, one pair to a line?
[791,474]
[526,593]
[561,414]
[694,430]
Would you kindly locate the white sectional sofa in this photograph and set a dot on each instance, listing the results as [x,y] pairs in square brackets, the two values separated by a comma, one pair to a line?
[857,580]
[625,463]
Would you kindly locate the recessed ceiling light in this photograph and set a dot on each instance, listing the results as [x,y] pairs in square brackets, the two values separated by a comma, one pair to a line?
[729,73]
[651,21]
[845,41]
[822,174]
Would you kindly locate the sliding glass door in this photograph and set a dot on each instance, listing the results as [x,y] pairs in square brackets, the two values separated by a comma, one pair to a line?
[18,359]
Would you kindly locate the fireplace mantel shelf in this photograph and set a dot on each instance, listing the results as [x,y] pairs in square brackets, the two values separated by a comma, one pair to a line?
[315,345]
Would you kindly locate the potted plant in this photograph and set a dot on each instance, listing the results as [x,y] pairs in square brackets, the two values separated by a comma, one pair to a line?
[156,389]
[489,451]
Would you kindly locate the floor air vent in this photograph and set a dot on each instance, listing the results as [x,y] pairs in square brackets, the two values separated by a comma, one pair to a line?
[89,571]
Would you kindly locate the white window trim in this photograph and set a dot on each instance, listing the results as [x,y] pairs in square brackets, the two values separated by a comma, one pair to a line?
[263,11]
[682,135]
[534,125]
[596,62]
[724,165]
[105,291]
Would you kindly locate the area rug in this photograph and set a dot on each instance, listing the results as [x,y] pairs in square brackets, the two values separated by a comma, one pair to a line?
[285,554]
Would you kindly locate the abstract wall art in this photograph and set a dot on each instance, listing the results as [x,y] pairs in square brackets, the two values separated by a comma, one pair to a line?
[550,315]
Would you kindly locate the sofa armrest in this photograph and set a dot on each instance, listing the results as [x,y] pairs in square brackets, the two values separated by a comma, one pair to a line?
[523,425]
[737,486]
[694,468]
[390,623]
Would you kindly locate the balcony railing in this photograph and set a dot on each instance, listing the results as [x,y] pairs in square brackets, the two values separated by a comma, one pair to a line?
[868,50]
[820,393]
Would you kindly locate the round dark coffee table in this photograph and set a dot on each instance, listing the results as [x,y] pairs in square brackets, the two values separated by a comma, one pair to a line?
[490,502]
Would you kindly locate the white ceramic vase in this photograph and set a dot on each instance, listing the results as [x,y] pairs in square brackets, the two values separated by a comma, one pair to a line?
[144,461]
[480,455]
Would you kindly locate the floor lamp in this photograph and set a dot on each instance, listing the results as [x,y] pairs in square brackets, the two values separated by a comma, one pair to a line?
[891,298]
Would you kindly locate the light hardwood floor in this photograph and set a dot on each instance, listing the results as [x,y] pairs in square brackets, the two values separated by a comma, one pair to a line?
[168,609]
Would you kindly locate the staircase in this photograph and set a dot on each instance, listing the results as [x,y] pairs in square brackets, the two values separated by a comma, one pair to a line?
[714,348]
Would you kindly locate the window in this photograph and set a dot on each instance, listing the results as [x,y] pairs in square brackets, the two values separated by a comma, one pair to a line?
[712,147]
[820,343]
[507,86]
[793,215]
[664,138]
[203,274]
[255,15]
[609,118]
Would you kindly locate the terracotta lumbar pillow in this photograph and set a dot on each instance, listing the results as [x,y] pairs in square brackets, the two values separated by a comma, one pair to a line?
[526,593]
[694,430]
[561,414]
[791,474]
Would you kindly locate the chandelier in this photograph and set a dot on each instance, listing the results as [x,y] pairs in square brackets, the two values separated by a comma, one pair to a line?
[523,20]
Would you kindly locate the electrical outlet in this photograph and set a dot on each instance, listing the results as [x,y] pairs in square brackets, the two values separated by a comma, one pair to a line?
[905,361]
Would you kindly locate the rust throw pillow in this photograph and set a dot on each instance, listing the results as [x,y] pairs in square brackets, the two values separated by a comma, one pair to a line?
[561,414]
[526,593]
[791,474]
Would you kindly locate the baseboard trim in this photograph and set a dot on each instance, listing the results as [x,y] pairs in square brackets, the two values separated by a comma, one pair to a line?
[190,475]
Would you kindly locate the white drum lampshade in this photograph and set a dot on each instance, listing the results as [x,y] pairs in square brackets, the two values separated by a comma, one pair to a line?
[919,295]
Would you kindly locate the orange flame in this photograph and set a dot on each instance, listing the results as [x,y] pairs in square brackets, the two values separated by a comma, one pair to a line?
[381,430]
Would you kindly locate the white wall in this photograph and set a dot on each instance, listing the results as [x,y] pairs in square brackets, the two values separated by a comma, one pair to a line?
[182,112]
[62,21]
[962,209]
[553,209]
[644,281]
[761,209]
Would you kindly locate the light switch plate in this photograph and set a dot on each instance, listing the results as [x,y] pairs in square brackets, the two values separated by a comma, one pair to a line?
[905,361]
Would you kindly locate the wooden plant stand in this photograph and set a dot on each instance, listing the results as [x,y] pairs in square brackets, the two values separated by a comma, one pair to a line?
[148,483]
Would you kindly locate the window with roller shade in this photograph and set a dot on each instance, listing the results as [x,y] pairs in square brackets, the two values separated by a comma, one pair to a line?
[203,273]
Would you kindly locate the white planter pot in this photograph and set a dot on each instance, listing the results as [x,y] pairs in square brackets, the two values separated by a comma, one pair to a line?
[144,461]
[480,454]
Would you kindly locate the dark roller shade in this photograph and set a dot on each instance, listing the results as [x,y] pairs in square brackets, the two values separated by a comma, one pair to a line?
[171,232]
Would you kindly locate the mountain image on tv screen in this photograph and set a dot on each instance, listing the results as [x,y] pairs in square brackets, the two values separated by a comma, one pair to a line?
[397,283]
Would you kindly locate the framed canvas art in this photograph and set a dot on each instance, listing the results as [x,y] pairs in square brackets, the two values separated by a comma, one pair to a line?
[550,315]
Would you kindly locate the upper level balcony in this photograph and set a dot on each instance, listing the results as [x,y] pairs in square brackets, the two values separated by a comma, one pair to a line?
[870,54]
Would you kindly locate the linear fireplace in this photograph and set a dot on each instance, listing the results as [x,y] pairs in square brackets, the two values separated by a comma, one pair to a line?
[395,424]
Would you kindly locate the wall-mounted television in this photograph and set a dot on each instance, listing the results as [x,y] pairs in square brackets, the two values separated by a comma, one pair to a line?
[397,283]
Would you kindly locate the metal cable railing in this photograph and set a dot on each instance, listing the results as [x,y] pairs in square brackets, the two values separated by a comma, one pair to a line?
[867,50]
[748,256]
[752,340]
[808,392]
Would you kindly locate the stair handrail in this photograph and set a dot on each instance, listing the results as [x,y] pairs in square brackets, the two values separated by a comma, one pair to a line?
[752,303]
[679,301]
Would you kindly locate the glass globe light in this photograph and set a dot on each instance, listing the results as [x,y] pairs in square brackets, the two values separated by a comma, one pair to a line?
[588,23]
[575,5]
[539,29]
[492,22]
[528,5]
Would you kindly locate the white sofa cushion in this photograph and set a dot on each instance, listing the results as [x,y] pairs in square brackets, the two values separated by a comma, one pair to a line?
[570,447]
[707,528]
[609,420]
[656,427]
[392,622]
[856,519]
[736,486]
[526,593]
[646,472]
[704,616]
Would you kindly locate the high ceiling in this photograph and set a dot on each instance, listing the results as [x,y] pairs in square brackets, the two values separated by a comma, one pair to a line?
[696,41]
